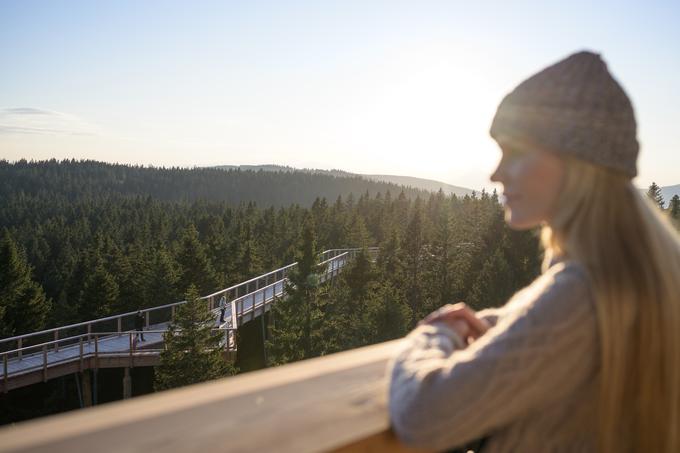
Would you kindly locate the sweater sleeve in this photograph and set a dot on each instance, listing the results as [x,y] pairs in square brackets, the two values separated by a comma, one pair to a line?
[443,394]
[495,314]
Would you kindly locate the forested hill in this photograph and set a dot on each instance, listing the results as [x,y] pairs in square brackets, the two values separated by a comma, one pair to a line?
[73,180]
[407,181]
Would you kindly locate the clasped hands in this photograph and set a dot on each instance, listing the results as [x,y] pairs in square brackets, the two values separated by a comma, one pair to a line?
[461,319]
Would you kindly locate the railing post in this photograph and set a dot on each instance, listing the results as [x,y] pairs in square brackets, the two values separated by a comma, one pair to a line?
[45,363]
[172,313]
[56,339]
[96,351]
[120,324]
[80,347]
[89,332]
[4,366]
[147,318]
[20,345]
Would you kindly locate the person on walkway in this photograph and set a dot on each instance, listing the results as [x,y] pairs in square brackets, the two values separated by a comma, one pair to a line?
[223,308]
[586,357]
[139,325]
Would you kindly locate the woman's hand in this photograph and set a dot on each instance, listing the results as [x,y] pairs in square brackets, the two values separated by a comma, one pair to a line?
[461,319]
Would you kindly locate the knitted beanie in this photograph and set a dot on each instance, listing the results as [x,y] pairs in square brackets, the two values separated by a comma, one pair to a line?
[576,108]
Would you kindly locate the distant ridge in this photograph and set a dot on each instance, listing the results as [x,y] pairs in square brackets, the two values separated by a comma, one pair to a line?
[73,181]
[421,183]
[668,192]
[408,181]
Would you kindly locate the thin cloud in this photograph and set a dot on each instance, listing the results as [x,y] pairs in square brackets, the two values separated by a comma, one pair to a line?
[29,111]
[35,121]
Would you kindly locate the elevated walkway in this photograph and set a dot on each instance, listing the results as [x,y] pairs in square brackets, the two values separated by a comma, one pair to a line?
[110,342]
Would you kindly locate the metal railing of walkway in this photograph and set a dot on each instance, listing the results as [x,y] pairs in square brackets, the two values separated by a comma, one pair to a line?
[113,335]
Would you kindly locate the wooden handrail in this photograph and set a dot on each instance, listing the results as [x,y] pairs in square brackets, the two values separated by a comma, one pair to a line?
[331,403]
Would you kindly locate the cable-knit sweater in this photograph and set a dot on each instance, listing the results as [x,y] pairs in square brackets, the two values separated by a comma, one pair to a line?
[529,383]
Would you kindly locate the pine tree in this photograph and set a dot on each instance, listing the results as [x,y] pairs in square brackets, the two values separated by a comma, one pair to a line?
[389,258]
[298,315]
[129,271]
[162,280]
[192,349]
[441,265]
[339,327]
[674,207]
[337,231]
[358,275]
[413,259]
[320,213]
[249,262]
[494,284]
[387,314]
[99,293]
[23,305]
[654,193]
[358,236]
[195,267]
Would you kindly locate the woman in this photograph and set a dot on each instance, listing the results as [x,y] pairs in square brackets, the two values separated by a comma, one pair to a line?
[587,357]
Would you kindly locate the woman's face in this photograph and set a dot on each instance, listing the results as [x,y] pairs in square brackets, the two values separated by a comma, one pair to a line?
[531,184]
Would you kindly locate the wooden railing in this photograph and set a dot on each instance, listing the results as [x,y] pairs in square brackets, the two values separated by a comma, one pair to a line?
[331,403]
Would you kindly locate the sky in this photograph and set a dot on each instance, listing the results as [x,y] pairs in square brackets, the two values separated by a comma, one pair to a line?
[378,87]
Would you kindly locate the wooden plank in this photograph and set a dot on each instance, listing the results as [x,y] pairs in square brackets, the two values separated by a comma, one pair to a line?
[316,405]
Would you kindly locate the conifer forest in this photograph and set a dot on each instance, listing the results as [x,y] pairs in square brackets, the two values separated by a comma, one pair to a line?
[83,239]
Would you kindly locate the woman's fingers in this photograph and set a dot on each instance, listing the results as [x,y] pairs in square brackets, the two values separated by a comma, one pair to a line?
[443,311]
[451,312]
[477,326]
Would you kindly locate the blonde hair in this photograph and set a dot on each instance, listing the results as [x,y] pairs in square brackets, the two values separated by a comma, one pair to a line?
[632,255]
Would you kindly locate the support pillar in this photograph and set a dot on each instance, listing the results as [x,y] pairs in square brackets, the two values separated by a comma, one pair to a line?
[86,388]
[264,337]
[94,387]
[80,394]
[127,384]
